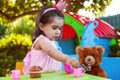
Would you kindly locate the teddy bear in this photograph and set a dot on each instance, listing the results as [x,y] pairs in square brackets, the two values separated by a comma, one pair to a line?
[90,59]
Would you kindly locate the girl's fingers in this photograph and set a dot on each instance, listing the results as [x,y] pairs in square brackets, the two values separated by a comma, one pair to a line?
[75,63]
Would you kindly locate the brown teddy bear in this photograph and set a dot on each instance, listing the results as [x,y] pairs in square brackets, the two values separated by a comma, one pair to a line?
[90,59]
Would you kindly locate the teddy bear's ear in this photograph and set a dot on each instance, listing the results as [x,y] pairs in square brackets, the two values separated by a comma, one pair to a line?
[79,49]
[100,49]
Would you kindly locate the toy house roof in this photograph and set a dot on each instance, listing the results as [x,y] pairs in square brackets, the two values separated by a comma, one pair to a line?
[74,25]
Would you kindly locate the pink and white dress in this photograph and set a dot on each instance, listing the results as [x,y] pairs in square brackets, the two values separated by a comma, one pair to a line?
[42,59]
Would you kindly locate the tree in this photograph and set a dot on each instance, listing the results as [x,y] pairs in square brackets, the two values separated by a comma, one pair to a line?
[13,9]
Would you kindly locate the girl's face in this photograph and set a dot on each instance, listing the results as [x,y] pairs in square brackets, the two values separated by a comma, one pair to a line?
[53,29]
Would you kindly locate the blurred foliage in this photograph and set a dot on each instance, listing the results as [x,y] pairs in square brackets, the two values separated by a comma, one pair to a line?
[115,46]
[15,42]
[22,25]
[13,48]
[2,31]
[13,9]
[115,49]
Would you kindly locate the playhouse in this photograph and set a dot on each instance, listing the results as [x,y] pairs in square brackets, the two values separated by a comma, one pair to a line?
[81,30]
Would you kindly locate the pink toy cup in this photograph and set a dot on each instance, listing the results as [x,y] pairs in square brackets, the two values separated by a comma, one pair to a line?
[15,74]
[68,69]
[77,72]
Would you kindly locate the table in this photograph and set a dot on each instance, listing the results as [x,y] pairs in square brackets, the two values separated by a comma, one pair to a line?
[58,76]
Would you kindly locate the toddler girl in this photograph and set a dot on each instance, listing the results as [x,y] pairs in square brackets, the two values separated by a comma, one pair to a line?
[44,52]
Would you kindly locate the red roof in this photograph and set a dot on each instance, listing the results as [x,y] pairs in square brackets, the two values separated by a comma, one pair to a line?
[104,29]
[82,19]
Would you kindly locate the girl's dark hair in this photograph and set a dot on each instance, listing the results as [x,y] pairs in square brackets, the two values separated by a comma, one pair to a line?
[45,19]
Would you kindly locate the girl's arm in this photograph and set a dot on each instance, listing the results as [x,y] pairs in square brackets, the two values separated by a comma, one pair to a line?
[47,47]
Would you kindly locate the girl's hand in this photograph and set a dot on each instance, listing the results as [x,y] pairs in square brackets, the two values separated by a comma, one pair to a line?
[118,33]
[72,61]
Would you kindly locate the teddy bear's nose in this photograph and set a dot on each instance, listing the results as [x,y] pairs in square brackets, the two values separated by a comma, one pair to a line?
[88,59]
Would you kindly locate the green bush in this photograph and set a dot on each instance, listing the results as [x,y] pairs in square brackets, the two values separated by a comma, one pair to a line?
[23,25]
[2,31]
[115,48]
[13,48]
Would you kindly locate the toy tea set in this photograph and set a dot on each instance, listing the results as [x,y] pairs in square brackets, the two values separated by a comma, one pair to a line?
[77,72]
[15,74]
